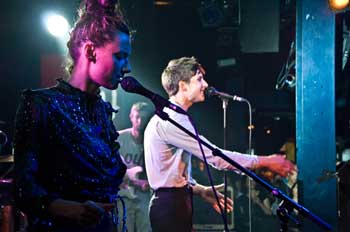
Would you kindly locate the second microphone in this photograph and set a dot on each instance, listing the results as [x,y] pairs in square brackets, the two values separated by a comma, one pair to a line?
[211,91]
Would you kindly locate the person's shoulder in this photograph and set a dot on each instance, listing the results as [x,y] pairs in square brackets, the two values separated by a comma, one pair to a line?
[124,135]
[151,125]
[34,100]
[36,94]
[175,115]
[42,91]
[155,119]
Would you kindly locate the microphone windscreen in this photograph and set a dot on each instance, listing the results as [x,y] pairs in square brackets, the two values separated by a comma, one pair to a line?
[130,84]
[210,91]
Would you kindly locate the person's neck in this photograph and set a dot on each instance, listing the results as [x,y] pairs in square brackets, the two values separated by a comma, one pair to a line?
[182,101]
[137,135]
[79,79]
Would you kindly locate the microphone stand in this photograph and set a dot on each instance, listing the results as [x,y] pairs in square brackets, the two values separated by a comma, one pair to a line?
[286,205]
[251,152]
[224,108]
[225,100]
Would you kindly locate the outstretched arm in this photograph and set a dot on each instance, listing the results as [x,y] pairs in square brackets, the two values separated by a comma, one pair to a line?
[178,138]
[276,163]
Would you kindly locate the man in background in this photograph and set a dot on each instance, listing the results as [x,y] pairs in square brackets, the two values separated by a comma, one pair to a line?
[135,189]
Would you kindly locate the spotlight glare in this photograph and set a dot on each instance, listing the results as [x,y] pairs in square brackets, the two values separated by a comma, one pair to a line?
[338,4]
[57,25]
[346,155]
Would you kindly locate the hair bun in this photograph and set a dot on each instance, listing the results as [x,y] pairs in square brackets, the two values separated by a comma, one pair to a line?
[107,3]
[100,7]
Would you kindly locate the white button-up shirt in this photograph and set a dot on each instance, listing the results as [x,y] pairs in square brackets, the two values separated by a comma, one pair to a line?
[168,152]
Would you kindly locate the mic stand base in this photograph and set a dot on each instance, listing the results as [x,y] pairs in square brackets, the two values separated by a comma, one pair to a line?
[283,213]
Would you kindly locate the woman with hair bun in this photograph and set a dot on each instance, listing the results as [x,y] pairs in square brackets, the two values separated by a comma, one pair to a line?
[67,163]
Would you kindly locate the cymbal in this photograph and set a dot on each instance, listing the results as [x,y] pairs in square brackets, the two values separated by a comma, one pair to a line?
[6,158]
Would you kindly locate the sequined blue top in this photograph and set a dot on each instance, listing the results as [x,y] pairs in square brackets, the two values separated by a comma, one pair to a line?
[65,147]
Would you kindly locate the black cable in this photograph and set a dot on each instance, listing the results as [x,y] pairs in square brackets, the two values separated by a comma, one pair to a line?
[209,173]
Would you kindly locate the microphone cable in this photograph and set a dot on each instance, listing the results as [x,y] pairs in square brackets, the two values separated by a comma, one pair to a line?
[224,219]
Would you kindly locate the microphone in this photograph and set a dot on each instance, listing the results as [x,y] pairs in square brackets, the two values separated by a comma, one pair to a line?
[211,91]
[131,85]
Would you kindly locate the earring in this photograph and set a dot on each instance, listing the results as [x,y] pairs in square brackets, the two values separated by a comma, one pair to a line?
[91,54]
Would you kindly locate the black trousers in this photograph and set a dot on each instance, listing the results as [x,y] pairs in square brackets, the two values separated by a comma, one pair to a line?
[171,210]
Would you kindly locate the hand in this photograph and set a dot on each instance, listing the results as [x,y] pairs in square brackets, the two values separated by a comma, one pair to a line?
[208,195]
[277,163]
[143,184]
[85,214]
[133,172]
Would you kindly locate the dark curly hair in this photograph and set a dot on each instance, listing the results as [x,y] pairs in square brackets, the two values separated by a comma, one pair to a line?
[98,22]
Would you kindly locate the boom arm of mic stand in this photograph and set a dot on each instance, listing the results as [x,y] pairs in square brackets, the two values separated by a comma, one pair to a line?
[276,192]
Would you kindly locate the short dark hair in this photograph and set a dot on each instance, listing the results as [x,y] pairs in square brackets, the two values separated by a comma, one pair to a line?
[141,107]
[177,70]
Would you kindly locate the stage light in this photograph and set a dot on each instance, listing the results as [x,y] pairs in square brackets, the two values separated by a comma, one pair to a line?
[338,4]
[163,3]
[57,25]
[345,155]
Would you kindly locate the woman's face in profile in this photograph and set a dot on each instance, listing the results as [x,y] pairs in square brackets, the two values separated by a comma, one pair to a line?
[112,62]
